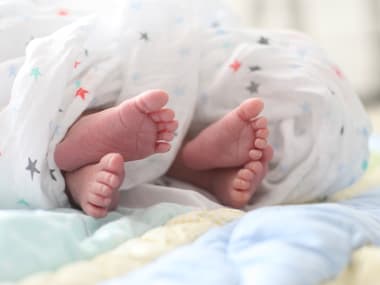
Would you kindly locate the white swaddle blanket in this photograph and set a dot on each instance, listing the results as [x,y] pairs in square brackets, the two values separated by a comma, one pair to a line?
[75,62]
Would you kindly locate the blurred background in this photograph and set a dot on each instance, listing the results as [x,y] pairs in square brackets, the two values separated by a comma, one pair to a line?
[349,30]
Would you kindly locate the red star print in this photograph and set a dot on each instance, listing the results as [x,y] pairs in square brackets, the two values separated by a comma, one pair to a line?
[76,63]
[81,92]
[62,12]
[338,72]
[235,65]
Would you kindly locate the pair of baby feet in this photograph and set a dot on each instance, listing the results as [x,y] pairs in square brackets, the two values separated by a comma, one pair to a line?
[95,148]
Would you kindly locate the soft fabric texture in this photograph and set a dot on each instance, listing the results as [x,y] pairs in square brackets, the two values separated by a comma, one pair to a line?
[318,127]
[363,268]
[35,241]
[306,244]
[136,252]
[90,266]
[77,59]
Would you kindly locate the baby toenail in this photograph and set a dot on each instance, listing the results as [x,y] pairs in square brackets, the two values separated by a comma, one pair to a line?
[257,168]
[255,154]
[262,133]
[261,123]
[260,143]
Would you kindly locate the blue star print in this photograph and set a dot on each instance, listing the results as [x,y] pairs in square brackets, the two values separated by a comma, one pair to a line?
[12,70]
[35,72]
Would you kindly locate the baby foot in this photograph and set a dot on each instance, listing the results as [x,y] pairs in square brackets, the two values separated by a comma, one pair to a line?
[136,128]
[230,141]
[95,187]
[235,187]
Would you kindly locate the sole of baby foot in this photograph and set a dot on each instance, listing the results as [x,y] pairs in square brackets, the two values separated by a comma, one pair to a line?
[95,188]
[229,141]
[236,187]
[136,128]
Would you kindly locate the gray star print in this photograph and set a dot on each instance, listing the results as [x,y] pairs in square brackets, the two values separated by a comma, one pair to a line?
[215,24]
[254,68]
[144,36]
[264,41]
[253,87]
[32,167]
[52,174]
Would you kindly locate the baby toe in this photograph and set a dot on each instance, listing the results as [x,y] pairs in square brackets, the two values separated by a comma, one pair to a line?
[250,108]
[239,198]
[262,133]
[108,178]
[162,147]
[168,126]
[255,154]
[165,136]
[260,143]
[94,211]
[241,184]
[256,167]
[99,201]
[164,115]
[103,190]
[151,101]
[268,154]
[260,123]
[113,162]
[245,174]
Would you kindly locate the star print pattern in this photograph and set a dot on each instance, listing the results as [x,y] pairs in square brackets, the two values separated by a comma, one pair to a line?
[144,36]
[306,108]
[32,167]
[240,70]
[263,41]
[52,174]
[136,5]
[82,93]
[179,91]
[254,68]
[36,73]
[215,24]
[24,203]
[62,12]
[12,71]
[338,72]
[253,87]
[235,66]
